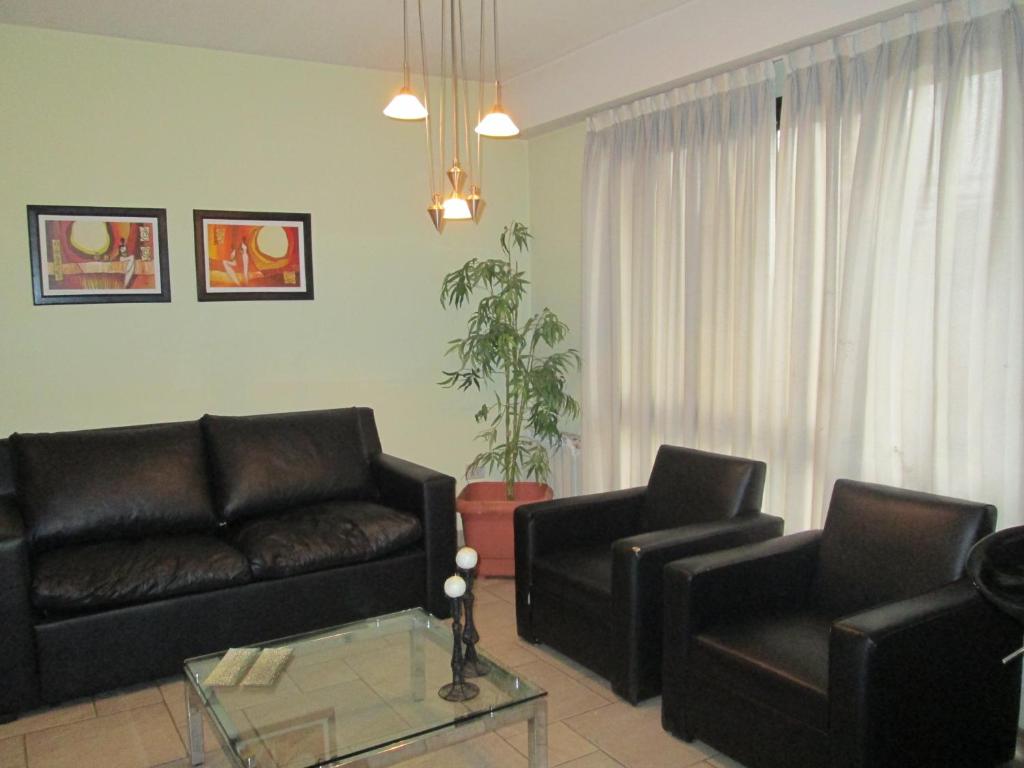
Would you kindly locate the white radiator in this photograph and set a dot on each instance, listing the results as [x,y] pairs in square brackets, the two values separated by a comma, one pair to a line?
[565,466]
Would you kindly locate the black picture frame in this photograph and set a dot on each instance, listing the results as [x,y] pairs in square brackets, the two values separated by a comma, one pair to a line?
[303,281]
[150,256]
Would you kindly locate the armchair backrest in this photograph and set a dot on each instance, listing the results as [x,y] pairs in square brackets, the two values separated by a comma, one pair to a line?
[883,544]
[690,486]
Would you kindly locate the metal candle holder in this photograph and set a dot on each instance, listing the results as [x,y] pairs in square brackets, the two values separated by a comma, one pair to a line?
[474,665]
[458,689]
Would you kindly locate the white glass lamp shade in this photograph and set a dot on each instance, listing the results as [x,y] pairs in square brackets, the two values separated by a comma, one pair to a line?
[405,106]
[466,558]
[455,587]
[455,207]
[497,124]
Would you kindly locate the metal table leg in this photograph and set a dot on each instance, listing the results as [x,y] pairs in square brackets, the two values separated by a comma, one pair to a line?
[196,749]
[537,735]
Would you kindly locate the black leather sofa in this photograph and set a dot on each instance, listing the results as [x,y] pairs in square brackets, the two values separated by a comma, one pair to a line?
[862,645]
[589,568]
[123,551]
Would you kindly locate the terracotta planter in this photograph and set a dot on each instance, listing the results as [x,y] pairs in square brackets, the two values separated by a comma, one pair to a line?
[487,522]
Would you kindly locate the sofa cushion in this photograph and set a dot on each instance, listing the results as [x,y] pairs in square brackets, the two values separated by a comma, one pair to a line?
[270,463]
[781,660]
[99,576]
[581,576]
[128,482]
[323,536]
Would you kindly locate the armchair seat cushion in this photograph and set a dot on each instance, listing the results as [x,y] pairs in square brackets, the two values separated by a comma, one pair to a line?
[89,577]
[783,660]
[581,576]
[323,536]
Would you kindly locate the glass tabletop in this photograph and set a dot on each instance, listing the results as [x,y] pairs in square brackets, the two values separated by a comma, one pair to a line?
[350,690]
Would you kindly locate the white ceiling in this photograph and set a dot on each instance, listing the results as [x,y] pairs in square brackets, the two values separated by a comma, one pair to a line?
[361,33]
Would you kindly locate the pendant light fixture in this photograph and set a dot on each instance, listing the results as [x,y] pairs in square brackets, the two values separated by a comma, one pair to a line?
[497,123]
[405,105]
[447,123]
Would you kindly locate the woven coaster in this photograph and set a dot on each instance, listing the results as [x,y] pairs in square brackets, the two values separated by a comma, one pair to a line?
[268,666]
[232,667]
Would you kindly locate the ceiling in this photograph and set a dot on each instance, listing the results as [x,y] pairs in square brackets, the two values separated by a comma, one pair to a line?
[361,33]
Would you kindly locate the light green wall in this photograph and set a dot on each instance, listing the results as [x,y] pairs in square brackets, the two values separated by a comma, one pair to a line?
[556,177]
[91,120]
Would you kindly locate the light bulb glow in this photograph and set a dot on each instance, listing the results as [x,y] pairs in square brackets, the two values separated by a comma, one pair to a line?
[455,208]
[405,106]
[497,124]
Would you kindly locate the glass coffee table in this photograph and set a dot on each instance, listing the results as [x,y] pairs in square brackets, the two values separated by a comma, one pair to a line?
[362,694]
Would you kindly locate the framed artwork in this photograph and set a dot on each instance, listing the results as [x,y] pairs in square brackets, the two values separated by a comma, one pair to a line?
[246,256]
[93,255]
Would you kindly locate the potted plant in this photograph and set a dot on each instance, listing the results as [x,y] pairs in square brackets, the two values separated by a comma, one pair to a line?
[517,356]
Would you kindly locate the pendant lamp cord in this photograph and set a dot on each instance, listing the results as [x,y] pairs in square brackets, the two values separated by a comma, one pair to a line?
[465,95]
[480,100]
[426,96]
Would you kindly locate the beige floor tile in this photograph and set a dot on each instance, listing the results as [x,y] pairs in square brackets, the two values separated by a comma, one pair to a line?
[313,677]
[496,622]
[721,761]
[71,712]
[128,698]
[634,737]
[593,760]
[576,671]
[566,697]
[484,596]
[12,752]
[564,744]
[505,589]
[508,653]
[489,751]
[134,738]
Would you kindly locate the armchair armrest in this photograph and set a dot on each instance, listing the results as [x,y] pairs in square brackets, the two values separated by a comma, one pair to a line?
[17,648]
[546,525]
[637,574]
[923,678]
[735,583]
[431,496]
[722,586]
[580,519]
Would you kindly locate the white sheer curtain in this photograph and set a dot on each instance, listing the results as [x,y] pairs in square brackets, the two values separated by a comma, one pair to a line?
[899,273]
[873,325]
[676,256]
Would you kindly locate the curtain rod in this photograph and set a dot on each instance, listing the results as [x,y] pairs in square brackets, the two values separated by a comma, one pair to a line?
[774,54]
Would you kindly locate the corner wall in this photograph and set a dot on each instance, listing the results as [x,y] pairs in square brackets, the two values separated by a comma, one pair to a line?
[556,222]
[90,120]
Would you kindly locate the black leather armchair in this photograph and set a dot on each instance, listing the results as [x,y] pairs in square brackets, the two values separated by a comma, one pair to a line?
[589,568]
[859,646]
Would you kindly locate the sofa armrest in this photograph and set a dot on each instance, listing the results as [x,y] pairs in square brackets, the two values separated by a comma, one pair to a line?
[547,525]
[430,495]
[923,678]
[20,689]
[637,574]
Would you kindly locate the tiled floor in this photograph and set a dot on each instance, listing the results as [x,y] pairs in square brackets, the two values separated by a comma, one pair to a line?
[589,727]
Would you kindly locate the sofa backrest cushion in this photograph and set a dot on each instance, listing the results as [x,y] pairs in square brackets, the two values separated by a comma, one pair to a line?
[883,544]
[125,482]
[691,486]
[270,463]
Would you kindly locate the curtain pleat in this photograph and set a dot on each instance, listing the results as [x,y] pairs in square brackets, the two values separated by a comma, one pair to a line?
[856,311]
